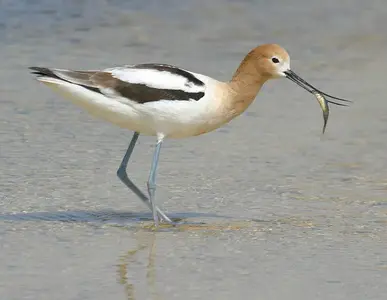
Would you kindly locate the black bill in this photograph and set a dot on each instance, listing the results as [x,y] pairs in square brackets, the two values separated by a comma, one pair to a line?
[320,95]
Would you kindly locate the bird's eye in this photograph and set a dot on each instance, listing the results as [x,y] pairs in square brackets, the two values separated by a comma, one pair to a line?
[275,60]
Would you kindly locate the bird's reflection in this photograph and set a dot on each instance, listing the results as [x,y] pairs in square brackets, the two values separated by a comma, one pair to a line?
[146,242]
[146,238]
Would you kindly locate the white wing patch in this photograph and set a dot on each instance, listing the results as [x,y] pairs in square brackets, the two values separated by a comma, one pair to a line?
[156,79]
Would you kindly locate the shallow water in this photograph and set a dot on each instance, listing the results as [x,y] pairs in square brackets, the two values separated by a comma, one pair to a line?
[288,213]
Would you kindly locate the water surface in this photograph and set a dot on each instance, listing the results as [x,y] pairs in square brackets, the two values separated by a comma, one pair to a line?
[288,214]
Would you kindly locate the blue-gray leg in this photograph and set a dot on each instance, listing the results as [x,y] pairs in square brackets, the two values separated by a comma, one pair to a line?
[121,173]
[152,181]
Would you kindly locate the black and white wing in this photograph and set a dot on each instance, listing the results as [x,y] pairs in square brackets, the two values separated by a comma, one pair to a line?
[139,83]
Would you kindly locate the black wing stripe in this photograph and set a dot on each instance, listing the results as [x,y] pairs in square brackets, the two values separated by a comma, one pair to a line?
[98,81]
[141,93]
[173,70]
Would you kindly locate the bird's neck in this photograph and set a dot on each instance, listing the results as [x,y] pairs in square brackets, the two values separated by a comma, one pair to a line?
[245,85]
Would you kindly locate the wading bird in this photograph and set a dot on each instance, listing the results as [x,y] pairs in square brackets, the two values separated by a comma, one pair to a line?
[169,102]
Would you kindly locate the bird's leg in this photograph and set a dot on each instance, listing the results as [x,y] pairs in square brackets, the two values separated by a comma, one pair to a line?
[123,176]
[152,180]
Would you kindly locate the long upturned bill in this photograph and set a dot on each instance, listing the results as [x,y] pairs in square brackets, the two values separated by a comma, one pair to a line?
[321,96]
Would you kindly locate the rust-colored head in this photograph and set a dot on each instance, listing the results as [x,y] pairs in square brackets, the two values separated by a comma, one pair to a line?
[271,61]
[266,62]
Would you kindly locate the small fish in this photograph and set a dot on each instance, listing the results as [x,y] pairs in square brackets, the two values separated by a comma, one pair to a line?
[324,106]
[320,95]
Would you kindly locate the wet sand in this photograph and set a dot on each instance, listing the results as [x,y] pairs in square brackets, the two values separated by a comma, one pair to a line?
[287,213]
